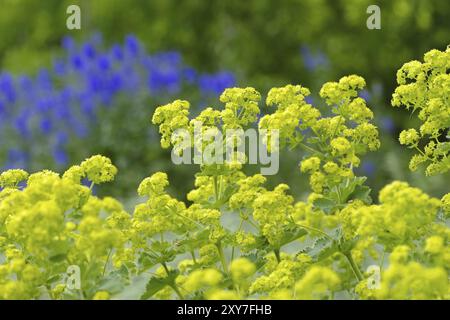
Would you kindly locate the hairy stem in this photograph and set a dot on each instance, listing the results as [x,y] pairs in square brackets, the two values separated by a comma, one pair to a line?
[354,266]
[173,285]
[222,257]
[277,254]
[193,256]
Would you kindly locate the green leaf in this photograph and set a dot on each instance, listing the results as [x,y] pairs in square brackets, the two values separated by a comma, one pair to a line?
[113,283]
[325,204]
[340,194]
[155,284]
[361,193]
[292,234]
[192,241]
[147,260]
[321,249]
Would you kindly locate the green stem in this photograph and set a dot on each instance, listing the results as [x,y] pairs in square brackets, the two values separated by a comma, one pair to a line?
[233,248]
[315,230]
[216,193]
[173,285]
[354,266]
[338,124]
[382,261]
[309,148]
[193,256]
[277,254]
[165,267]
[177,291]
[106,262]
[222,257]
[250,222]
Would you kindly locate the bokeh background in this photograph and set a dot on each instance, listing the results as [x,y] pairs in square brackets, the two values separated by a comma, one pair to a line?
[68,94]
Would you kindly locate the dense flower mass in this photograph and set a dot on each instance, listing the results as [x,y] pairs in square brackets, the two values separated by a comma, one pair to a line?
[424,88]
[58,240]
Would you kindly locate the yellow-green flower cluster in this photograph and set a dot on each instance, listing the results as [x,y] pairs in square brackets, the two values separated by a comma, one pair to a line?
[160,213]
[318,283]
[407,279]
[11,178]
[240,112]
[98,169]
[54,222]
[403,215]
[424,88]
[241,107]
[241,269]
[200,279]
[272,211]
[293,114]
[336,141]
[282,275]
[170,117]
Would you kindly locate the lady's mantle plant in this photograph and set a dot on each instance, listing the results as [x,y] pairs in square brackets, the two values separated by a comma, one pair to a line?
[425,88]
[279,247]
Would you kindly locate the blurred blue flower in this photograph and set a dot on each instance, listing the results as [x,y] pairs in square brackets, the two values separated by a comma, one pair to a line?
[77,62]
[46,125]
[190,74]
[117,52]
[368,168]
[68,43]
[216,83]
[21,124]
[43,114]
[103,63]
[60,156]
[132,45]
[16,159]
[387,124]
[89,50]
[311,60]
[7,87]
[59,67]
[365,94]
[309,100]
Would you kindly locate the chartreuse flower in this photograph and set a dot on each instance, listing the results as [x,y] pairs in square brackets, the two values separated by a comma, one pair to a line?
[408,279]
[154,185]
[54,222]
[333,144]
[272,211]
[423,88]
[241,107]
[282,275]
[11,178]
[101,295]
[293,114]
[446,204]
[200,279]
[317,283]
[241,269]
[403,215]
[99,169]
[170,117]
